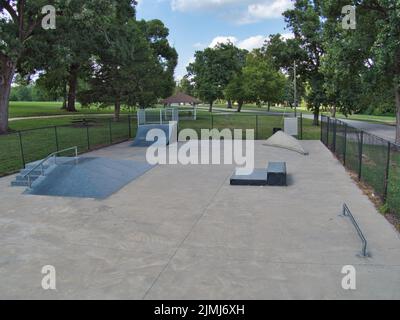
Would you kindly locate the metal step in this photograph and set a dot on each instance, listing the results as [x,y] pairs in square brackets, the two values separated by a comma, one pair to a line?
[22,178]
[36,172]
[19,184]
[32,165]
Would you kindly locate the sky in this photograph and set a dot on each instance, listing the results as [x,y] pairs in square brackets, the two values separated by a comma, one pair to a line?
[198,24]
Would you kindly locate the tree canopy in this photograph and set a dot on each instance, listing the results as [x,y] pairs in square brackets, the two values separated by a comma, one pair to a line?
[213,69]
[93,49]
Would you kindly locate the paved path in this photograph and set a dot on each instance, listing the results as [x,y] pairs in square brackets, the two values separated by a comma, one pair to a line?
[384,131]
[381,130]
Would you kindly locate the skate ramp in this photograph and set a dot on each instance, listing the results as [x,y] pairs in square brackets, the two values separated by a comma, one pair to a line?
[96,178]
[170,131]
[285,141]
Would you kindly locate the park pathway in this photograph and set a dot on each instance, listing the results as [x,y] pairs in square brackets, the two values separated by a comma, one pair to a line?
[383,131]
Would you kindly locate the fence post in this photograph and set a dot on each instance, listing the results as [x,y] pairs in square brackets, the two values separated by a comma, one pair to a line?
[256,126]
[110,127]
[327,132]
[360,155]
[385,195]
[322,129]
[301,126]
[130,126]
[56,135]
[345,145]
[22,149]
[334,135]
[87,137]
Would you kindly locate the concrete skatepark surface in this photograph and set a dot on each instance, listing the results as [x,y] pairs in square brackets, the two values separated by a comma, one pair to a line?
[182,232]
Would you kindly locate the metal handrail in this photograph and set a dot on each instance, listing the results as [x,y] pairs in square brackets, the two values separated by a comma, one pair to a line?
[41,163]
[347,213]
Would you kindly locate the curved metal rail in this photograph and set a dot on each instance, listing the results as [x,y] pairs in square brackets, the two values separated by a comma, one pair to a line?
[41,163]
[347,213]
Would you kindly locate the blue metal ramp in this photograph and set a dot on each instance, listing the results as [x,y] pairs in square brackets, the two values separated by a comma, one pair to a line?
[141,141]
[96,178]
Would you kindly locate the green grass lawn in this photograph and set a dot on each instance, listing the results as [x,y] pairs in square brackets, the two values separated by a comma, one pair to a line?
[384,119]
[40,137]
[390,120]
[373,163]
[35,109]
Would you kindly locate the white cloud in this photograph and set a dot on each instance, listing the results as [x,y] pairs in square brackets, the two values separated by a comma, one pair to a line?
[192,5]
[249,44]
[222,39]
[247,11]
[286,36]
[252,43]
[269,9]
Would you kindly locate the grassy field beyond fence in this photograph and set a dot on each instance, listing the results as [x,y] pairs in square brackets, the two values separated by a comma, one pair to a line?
[374,160]
[35,139]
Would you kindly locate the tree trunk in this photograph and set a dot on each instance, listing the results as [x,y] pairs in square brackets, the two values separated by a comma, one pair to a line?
[269,106]
[117,110]
[316,116]
[211,106]
[229,104]
[333,111]
[397,89]
[240,105]
[65,97]
[6,78]
[73,86]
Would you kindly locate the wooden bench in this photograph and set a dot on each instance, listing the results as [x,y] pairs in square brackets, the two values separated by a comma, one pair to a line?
[84,122]
[277,174]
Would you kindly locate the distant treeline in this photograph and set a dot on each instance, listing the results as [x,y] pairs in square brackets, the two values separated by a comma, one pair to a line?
[29,93]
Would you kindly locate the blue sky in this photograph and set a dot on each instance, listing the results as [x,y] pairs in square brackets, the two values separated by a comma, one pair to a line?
[197,24]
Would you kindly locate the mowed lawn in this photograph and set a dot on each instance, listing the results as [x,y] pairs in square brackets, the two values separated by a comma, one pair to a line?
[34,109]
[34,139]
[37,109]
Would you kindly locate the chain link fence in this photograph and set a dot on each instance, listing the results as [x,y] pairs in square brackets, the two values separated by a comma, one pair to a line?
[376,161]
[20,148]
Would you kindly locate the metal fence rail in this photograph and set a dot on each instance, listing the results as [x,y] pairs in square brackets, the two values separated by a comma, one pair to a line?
[22,147]
[26,146]
[374,160]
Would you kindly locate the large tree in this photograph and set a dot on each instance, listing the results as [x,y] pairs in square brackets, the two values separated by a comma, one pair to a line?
[286,55]
[257,82]
[213,69]
[20,23]
[307,24]
[157,34]
[136,68]
[366,59]
[81,35]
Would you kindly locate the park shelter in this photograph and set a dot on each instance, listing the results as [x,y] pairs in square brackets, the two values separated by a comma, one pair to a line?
[179,99]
